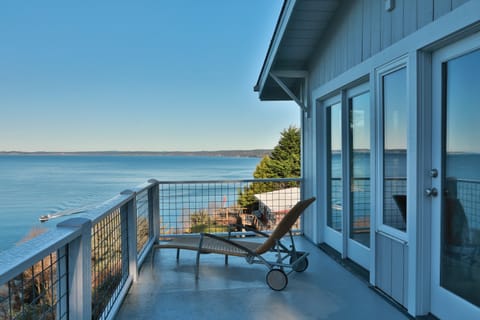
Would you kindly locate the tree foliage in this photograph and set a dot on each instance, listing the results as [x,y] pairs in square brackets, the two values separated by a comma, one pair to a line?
[284,162]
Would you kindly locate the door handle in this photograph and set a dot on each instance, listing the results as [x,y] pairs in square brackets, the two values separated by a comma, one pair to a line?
[431,192]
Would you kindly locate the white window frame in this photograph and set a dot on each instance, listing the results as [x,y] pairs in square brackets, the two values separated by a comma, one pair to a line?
[380,72]
[331,236]
[360,253]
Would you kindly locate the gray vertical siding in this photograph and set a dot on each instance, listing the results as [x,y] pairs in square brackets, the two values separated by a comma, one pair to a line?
[362,28]
[375,8]
[441,7]
[392,268]
[410,17]
[457,3]
[383,264]
[424,12]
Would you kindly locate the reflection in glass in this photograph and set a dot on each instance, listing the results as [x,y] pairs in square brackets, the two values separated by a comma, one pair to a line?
[334,166]
[360,168]
[395,149]
[460,256]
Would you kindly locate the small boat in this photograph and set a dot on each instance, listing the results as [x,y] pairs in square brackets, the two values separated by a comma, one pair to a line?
[62,213]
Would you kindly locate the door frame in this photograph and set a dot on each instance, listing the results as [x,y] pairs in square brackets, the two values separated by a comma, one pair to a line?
[402,62]
[353,249]
[341,241]
[331,236]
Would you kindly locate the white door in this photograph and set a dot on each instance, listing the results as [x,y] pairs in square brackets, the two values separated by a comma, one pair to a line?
[358,185]
[347,171]
[455,190]
[334,153]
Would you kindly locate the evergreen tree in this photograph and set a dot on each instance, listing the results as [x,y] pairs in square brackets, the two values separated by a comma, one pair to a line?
[285,160]
[283,163]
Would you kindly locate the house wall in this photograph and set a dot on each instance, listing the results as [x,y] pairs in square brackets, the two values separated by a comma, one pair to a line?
[362,37]
[362,28]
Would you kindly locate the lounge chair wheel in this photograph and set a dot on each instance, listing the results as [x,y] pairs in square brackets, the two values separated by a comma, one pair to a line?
[301,265]
[277,279]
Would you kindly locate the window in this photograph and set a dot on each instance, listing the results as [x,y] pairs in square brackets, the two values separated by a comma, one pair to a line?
[359,108]
[334,167]
[394,110]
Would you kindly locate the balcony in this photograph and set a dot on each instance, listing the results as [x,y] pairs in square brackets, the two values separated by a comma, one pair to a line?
[98,266]
[326,290]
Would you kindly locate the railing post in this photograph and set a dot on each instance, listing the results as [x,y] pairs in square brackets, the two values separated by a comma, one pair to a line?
[154,208]
[62,285]
[129,211]
[79,269]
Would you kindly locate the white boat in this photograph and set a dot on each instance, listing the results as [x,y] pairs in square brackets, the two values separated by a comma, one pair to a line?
[62,213]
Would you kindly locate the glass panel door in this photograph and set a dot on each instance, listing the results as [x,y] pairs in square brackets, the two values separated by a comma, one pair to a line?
[334,167]
[359,226]
[456,206]
[347,174]
[395,149]
[460,254]
[359,212]
[333,230]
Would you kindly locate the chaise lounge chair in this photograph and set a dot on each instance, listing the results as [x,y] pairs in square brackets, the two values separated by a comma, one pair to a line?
[252,251]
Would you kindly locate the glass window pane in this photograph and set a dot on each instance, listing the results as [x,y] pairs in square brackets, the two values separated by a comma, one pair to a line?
[460,258]
[395,149]
[360,169]
[334,166]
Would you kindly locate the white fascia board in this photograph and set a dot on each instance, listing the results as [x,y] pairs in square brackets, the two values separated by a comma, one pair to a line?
[277,38]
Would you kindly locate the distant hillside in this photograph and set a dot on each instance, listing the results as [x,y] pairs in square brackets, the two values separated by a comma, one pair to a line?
[257,153]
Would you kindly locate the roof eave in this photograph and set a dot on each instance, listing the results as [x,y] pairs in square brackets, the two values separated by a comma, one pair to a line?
[280,28]
[300,27]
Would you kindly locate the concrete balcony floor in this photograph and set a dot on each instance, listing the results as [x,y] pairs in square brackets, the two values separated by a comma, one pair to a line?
[326,290]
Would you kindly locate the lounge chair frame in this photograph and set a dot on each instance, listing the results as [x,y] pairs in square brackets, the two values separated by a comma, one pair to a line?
[279,269]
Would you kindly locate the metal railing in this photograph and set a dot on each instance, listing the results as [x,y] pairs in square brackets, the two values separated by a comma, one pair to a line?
[39,290]
[82,269]
[210,206]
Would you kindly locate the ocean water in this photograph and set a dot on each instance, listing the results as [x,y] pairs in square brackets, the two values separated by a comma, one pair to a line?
[31,186]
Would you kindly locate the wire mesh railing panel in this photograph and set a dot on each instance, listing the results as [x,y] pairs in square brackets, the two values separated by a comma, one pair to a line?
[39,292]
[109,262]
[143,220]
[194,207]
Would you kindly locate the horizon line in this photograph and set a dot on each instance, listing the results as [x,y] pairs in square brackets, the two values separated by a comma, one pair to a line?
[137,151]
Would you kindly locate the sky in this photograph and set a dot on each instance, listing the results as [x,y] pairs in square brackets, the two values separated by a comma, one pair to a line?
[137,75]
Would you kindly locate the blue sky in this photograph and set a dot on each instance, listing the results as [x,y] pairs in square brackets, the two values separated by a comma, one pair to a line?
[137,75]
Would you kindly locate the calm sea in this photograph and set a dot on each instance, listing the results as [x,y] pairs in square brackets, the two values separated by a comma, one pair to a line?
[31,186]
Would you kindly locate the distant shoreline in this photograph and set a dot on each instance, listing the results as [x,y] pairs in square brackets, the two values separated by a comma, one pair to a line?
[255,153]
